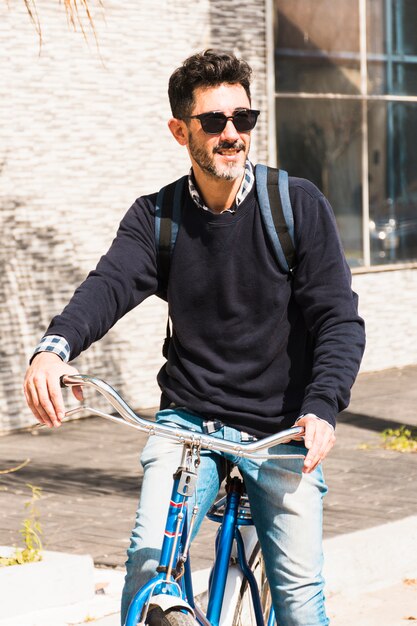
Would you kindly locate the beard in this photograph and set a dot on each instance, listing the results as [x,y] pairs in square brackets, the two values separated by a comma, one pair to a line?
[205,159]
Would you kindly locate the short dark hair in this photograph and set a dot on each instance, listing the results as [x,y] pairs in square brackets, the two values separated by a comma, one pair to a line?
[205,69]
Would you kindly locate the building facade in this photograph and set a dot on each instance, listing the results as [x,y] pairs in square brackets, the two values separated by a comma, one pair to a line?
[345,91]
[83,133]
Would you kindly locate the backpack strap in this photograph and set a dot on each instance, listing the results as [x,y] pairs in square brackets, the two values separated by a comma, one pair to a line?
[167,223]
[275,205]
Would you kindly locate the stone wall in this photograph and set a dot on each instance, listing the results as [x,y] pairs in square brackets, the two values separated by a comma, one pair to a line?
[82,134]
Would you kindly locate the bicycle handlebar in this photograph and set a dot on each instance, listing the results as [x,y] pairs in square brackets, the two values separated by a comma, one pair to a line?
[129,417]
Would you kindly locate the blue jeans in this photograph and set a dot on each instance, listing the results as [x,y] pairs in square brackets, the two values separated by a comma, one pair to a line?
[286,508]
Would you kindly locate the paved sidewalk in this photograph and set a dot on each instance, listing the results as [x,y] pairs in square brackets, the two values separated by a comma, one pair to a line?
[395,605]
[90,476]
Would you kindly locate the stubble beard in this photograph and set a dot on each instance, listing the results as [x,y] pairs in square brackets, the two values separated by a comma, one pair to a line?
[205,160]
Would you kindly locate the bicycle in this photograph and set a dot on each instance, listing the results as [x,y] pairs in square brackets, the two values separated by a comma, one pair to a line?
[238,591]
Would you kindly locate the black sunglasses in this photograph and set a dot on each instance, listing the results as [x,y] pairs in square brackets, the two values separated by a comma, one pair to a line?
[214,122]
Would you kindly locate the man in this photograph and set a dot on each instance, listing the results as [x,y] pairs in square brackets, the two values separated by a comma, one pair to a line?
[252,352]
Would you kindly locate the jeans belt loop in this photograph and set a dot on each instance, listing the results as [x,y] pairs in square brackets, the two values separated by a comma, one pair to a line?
[211,426]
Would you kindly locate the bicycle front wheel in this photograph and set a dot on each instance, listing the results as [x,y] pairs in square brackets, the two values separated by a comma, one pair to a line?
[245,613]
[177,618]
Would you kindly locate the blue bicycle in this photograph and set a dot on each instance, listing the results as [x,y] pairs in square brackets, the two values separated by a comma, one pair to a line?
[238,592]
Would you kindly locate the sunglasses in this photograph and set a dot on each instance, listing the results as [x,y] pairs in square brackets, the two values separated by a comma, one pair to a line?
[214,122]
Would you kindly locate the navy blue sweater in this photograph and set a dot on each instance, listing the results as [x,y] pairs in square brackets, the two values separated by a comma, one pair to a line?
[250,346]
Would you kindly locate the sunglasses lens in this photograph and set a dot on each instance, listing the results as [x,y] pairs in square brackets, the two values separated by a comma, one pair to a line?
[215,123]
[245,120]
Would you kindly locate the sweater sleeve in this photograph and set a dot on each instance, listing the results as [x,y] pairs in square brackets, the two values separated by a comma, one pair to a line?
[125,276]
[322,288]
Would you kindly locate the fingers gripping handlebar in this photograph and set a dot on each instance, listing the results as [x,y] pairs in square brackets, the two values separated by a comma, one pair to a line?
[126,415]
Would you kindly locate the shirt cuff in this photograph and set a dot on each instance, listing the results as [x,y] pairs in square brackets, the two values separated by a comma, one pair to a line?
[317,418]
[56,344]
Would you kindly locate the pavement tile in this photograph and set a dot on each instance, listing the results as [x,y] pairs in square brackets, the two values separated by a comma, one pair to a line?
[90,475]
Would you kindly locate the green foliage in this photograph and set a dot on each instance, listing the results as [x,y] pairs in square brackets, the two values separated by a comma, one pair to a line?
[399,439]
[30,532]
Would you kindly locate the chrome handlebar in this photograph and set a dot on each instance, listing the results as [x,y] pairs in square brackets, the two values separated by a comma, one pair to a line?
[129,417]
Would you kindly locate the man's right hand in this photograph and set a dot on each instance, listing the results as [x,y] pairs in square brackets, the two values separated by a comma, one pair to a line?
[42,388]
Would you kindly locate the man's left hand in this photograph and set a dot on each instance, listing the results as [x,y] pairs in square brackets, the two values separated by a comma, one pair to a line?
[319,439]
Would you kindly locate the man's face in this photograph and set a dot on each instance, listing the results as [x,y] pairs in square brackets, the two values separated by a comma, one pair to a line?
[219,156]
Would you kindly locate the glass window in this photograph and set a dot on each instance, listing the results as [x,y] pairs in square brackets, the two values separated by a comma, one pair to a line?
[392,129]
[317,46]
[403,25]
[322,137]
[392,46]
[320,140]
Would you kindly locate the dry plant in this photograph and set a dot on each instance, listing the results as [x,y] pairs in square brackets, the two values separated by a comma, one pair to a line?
[10,470]
[75,11]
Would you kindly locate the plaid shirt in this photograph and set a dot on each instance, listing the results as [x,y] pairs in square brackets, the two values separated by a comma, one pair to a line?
[56,344]
[244,189]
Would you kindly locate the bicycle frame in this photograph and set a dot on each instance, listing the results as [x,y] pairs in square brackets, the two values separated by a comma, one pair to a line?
[229,531]
[174,554]
[175,550]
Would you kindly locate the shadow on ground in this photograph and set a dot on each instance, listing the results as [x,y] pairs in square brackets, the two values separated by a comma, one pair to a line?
[66,480]
[368,422]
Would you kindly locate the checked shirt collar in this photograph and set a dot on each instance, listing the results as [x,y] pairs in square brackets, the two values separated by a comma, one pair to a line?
[244,189]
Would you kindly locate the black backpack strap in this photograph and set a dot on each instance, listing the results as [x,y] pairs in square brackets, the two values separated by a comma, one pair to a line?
[167,223]
[276,210]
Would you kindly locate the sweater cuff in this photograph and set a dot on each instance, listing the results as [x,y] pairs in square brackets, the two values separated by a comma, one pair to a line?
[321,409]
[56,344]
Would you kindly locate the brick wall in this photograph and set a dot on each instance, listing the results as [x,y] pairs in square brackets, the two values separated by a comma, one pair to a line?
[82,134]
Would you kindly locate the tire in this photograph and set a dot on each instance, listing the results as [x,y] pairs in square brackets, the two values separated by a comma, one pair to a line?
[177,618]
[245,614]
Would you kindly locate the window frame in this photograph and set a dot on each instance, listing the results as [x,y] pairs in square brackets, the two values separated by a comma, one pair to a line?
[364,97]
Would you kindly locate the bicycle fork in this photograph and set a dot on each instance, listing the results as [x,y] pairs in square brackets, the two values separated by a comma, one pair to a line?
[164,588]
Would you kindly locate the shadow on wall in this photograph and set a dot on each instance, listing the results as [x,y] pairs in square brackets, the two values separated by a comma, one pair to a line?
[39,271]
